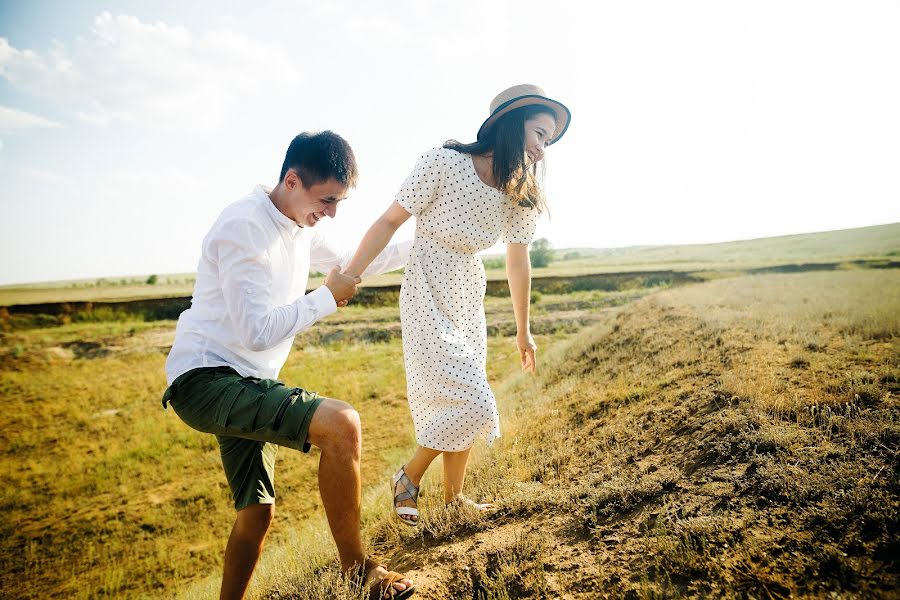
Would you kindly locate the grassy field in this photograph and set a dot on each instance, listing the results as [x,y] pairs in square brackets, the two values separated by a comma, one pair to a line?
[866,243]
[733,439]
[104,493]
[829,246]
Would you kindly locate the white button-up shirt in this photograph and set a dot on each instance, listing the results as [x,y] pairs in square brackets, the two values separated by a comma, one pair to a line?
[250,296]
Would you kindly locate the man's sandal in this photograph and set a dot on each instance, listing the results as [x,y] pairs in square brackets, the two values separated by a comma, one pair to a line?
[409,492]
[383,589]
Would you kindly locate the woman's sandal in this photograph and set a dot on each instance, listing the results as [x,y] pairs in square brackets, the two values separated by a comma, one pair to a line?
[409,492]
[379,589]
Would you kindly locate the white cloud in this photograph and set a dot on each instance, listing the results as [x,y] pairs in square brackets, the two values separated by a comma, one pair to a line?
[12,120]
[444,30]
[43,175]
[157,74]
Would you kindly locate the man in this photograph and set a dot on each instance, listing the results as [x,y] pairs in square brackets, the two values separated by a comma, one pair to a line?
[249,302]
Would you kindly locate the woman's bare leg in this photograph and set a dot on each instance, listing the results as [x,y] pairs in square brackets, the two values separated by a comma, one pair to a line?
[419,463]
[455,464]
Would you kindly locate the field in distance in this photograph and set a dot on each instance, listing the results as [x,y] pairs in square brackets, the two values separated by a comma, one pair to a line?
[880,242]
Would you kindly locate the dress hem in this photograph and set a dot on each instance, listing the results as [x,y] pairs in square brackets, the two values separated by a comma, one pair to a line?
[488,438]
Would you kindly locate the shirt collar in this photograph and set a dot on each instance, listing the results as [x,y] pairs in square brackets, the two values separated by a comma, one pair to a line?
[283,222]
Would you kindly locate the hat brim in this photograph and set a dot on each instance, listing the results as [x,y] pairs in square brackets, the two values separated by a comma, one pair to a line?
[563,115]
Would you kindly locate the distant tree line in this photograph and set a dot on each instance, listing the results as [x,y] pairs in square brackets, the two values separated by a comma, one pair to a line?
[541,255]
[150,280]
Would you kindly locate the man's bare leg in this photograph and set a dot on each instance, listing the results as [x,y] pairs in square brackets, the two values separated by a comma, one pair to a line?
[335,430]
[243,549]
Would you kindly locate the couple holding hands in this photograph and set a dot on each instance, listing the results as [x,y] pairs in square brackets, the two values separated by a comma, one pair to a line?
[250,301]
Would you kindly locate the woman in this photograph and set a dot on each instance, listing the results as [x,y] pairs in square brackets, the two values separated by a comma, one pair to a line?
[464,197]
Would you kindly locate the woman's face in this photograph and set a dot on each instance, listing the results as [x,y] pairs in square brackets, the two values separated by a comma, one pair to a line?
[538,132]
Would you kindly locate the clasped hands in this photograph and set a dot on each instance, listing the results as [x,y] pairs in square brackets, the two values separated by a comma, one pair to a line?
[341,285]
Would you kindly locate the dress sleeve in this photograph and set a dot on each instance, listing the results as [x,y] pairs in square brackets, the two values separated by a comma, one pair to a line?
[519,223]
[421,187]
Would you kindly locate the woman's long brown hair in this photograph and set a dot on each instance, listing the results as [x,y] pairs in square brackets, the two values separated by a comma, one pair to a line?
[506,141]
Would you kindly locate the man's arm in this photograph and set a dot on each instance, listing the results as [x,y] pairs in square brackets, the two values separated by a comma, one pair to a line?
[246,277]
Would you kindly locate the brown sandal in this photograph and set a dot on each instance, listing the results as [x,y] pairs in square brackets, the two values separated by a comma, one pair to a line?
[378,588]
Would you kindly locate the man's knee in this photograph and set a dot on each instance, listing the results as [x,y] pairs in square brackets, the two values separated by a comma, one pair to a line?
[349,432]
[344,432]
[253,521]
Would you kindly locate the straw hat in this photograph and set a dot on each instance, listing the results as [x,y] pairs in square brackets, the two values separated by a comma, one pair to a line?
[524,95]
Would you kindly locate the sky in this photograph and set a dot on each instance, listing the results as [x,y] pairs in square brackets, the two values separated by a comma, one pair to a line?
[126,127]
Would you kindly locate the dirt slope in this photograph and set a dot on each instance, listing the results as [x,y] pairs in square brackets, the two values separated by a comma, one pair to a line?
[684,448]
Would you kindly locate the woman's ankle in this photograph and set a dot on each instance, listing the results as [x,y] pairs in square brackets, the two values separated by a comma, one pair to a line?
[414,476]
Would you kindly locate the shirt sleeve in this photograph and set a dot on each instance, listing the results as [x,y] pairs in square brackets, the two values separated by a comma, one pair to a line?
[519,223]
[421,187]
[245,271]
[324,255]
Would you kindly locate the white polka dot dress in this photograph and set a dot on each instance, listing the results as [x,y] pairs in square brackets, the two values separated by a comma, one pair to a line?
[442,298]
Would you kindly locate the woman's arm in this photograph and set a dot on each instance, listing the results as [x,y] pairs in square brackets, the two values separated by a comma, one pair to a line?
[518,273]
[376,238]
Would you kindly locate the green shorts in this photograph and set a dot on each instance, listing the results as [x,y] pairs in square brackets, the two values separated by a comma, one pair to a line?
[250,418]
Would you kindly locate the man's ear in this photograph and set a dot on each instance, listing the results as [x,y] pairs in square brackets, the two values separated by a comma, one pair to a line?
[292,179]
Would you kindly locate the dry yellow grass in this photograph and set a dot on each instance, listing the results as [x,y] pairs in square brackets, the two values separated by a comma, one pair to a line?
[735,439]
[105,494]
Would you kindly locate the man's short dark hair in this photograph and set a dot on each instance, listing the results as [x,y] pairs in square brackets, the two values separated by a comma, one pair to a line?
[318,157]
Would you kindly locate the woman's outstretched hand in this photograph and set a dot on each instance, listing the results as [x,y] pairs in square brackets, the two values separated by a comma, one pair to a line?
[527,350]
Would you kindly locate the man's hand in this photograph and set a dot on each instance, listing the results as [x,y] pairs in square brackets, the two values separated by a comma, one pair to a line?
[342,287]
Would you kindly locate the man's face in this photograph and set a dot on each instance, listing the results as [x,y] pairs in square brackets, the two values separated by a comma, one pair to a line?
[308,206]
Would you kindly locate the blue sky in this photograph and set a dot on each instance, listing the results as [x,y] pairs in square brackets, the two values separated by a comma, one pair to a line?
[125,127]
